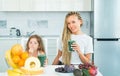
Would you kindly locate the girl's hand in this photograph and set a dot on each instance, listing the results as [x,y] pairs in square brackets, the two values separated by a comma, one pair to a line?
[31,50]
[46,62]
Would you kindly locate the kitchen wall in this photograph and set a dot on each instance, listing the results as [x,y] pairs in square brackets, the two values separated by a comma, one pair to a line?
[43,23]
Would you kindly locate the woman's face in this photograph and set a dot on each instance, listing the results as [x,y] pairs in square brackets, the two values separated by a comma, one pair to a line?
[73,23]
[33,44]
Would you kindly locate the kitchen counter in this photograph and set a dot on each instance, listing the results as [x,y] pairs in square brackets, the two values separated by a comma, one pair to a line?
[49,70]
[13,37]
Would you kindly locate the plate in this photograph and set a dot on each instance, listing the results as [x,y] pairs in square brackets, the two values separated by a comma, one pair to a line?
[62,70]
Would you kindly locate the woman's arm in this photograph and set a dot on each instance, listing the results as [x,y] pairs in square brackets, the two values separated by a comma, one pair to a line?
[56,60]
[85,58]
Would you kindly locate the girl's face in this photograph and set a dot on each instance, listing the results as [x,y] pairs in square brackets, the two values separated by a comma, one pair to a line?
[33,44]
[73,23]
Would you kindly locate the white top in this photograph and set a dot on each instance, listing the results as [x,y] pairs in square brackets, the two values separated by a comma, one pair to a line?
[86,46]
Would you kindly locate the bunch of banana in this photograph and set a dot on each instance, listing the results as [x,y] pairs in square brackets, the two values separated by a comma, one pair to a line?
[9,59]
[32,66]
[15,72]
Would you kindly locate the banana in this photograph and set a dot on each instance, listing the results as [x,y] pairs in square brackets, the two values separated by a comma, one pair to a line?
[18,70]
[9,59]
[13,73]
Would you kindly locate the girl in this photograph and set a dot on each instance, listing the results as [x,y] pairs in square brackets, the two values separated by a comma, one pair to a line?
[35,46]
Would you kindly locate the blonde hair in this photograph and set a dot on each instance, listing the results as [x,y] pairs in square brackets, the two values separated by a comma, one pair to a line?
[40,42]
[66,35]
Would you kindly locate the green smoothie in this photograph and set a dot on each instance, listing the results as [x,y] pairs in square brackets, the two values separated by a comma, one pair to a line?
[42,59]
[70,42]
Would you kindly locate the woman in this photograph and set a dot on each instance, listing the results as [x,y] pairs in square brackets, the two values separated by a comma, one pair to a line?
[83,47]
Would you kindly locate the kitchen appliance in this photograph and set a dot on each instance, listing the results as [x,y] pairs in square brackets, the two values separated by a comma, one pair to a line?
[107,36]
[18,32]
[14,32]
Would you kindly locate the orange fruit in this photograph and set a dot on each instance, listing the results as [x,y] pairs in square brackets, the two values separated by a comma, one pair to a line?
[16,49]
[24,55]
[21,63]
[16,58]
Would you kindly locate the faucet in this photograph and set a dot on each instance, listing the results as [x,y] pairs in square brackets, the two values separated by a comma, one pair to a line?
[30,33]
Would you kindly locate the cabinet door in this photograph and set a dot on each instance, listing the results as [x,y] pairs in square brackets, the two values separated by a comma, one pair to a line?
[53,5]
[86,5]
[26,5]
[52,47]
[107,19]
[106,56]
[46,5]
[5,44]
[51,59]
[0,5]
[62,5]
[10,5]
[39,5]
[67,5]
[75,5]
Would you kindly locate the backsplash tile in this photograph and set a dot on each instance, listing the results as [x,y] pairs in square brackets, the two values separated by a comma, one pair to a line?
[44,23]
[3,23]
[38,24]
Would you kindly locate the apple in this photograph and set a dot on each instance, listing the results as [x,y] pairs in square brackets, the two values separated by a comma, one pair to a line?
[92,71]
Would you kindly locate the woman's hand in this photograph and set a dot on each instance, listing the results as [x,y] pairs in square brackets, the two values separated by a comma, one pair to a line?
[85,58]
[76,47]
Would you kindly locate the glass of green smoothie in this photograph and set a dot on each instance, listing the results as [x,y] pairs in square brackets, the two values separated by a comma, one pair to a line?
[70,42]
[42,59]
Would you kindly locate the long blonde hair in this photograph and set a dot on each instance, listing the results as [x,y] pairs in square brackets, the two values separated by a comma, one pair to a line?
[66,35]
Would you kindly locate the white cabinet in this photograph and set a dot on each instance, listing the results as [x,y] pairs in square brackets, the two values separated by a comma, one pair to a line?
[72,5]
[0,5]
[62,5]
[86,5]
[39,5]
[51,48]
[26,5]
[53,5]
[10,5]
[45,5]
[16,5]
[5,44]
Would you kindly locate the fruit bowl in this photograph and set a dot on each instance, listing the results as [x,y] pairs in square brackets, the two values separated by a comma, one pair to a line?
[20,62]
[15,57]
[32,71]
[9,60]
